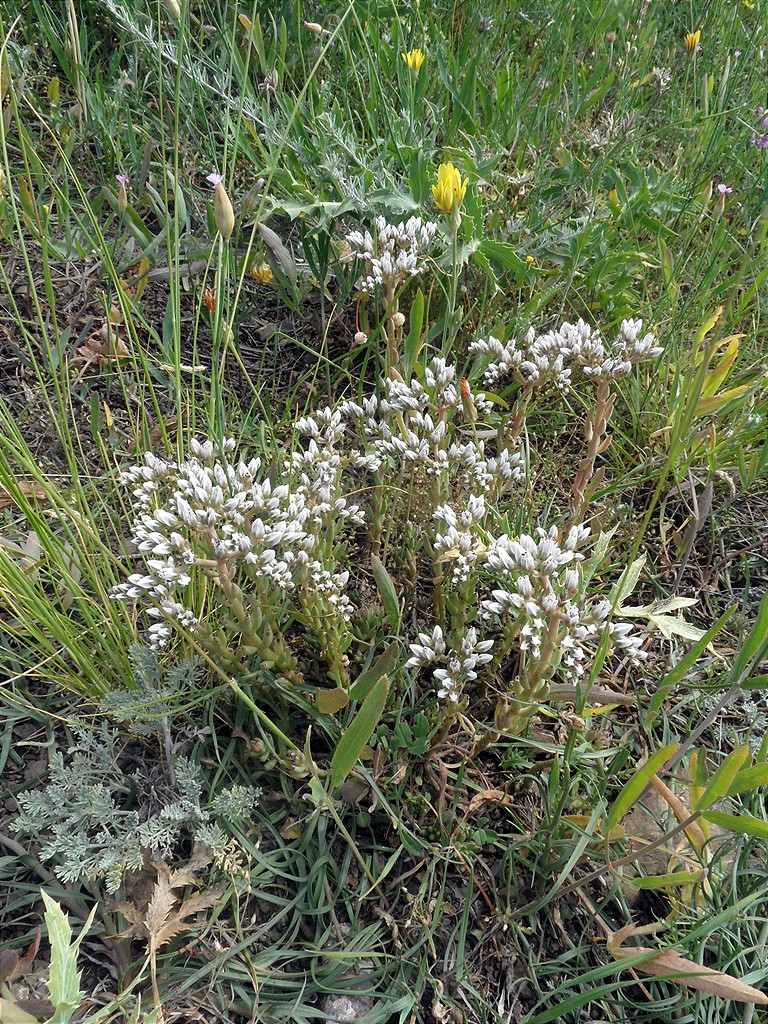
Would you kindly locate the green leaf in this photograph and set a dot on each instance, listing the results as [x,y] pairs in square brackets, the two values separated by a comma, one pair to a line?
[723,779]
[359,732]
[743,823]
[12,1013]
[749,779]
[666,881]
[755,683]
[414,341]
[385,665]
[503,255]
[627,582]
[330,701]
[387,593]
[633,790]
[64,980]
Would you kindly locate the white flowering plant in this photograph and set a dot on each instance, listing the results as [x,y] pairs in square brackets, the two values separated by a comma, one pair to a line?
[259,567]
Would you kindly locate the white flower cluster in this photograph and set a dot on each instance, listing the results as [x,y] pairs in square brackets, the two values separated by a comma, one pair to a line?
[208,514]
[415,424]
[459,664]
[396,253]
[541,598]
[539,606]
[462,543]
[546,357]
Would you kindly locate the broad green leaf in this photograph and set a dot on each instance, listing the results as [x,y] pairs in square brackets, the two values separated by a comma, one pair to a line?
[602,544]
[12,1013]
[633,789]
[64,978]
[385,665]
[503,255]
[359,732]
[720,783]
[627,582]
[742,823]
[330,701]
[749,779]
[666,881]
[387,593]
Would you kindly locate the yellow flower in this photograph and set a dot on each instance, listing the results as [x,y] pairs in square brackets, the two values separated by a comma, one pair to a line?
[692,42]
[414,59]
[262,272]
[449,190]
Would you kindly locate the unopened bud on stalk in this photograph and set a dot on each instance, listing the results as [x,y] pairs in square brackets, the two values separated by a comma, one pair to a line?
[706,195]
[122,193]
[173,9]
[468,402]
[223,214]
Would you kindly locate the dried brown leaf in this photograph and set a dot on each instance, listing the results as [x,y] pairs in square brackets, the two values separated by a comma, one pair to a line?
[488,796]
[166,913]
[25,491]
[670,965]
[176,923]
[14,966]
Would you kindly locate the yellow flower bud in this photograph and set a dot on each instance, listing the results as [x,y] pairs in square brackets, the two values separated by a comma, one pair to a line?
[262,272]
[449,191]
[223,214]
[122,192]
[692,42]
[414,59]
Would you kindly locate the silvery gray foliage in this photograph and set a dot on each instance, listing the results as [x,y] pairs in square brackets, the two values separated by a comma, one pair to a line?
[89,818]
[145,708]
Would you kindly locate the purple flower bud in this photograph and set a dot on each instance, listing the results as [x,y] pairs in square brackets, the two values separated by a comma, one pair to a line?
[214,179]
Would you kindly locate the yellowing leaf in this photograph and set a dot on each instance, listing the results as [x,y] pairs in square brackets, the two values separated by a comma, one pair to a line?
[717,376]
[707,326]
[330,701]
[715,402]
